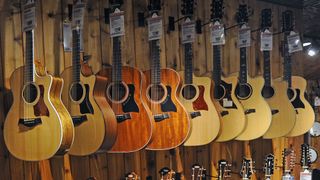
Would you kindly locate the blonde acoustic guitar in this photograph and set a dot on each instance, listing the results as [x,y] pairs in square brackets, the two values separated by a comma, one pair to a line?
[34,130]
[94,130]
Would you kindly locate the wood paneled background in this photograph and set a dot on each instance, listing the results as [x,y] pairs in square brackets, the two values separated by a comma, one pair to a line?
[49,50]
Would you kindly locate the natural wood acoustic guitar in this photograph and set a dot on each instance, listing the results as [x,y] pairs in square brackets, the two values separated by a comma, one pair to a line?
[34,128]
[229,109]
[95,126]
[195,96]
[248,91]
[172,121]
[305,115]
[123,92]
[275,92]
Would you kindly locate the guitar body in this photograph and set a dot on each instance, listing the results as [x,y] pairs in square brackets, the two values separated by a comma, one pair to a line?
[33,131]
[257,111]
[232,118]
[283,113]
[205,122]
[90,123]
[135,123]
[304,113]
[172,122]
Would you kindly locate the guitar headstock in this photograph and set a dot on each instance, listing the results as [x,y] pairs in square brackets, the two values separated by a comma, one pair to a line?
[288,161]
[187,8]
[154,6]
[224,169]
[247,168]
[167,173]
[287,21]
[216,10]
[132,176]
[198,172]
[305,156]
[269,165]
[242,15]
[115,4]
[266,16]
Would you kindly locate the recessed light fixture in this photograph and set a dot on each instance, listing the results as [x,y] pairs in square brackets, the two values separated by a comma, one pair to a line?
[306,44]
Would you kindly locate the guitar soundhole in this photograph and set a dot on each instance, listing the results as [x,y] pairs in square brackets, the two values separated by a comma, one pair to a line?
[30,93]
[290,93]
[219,92]
[76,91]
[267,92]
[243,91]
[117,91]
[189,92]
[156,92]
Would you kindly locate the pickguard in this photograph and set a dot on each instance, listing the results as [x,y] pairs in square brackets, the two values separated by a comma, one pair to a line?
[85,105]
[167,105]
[200,103]
[227,96]
[40,109]
[130,105]
[297,103]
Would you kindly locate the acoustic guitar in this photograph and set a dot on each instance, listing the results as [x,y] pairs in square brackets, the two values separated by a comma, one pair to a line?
[195,95]
[268,167]
[305,115]
[275,92]
[172,122]
[34,129]
[248,91]
[288,163]
[123,92]
[229,109]
[95,127]
[305,162]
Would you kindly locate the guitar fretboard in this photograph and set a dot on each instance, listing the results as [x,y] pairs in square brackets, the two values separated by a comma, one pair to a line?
[243,66]
[188,63]
[29,67]
[287,61]
[155,64]
[116,61]
[76,67]
[217,64]
[267,69]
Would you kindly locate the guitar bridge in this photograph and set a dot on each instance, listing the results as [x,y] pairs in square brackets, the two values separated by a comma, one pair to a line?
[224,113]
[30,122]
[77,120]
[123,117]
[161,117]
[249,111]
[274,111]
[195,114]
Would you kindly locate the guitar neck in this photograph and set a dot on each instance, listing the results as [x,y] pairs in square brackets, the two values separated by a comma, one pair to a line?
[29,67]
[116,61]
[267,69]
[76,55]
[188,63]
[155,62]
[287,61]
[243,65]
[217,64]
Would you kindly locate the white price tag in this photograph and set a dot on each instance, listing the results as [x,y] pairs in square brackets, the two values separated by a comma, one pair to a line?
[217,34]
[305,176]
[266,41]
[155,27]
[227,103]
[287,177]
[188,32]
[117,23]
[78,15]
[29,16]
[316,101]
[67,37]
[244,37]
[294,42]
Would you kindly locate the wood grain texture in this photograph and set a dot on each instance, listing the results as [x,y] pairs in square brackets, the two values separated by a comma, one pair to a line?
[136,132]
[205,127]
[173,131]
[258,122]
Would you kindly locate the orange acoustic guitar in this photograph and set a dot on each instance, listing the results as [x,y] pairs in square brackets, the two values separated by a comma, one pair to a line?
[172,121]
[123,92]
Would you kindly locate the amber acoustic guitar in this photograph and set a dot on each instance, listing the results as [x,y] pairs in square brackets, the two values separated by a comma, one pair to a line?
[123,92]
[95,128]
[172,121]
[34,129]
[275,92]
[229,109]
[195,96]
[297,85]
[248,91]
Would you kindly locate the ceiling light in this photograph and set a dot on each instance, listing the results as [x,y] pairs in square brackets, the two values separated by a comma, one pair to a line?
[312,52]
[306,44]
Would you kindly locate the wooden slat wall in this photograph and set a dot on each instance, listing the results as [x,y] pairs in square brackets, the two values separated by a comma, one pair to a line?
[135,53]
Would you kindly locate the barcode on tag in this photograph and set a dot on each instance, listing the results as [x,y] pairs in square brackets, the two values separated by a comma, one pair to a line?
[29,16]
[155,28]
[217,34]
[117,23]
[188,32]
[294,43]
[227,103]
[67,37]
[78,15]
[244,37]
[266,41]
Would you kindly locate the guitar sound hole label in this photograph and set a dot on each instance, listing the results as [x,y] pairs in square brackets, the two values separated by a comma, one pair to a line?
[244,37]
[155,27]
[29,16]
[294,42]
[188,32]
[266,41]
[217,34]
[117,23]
